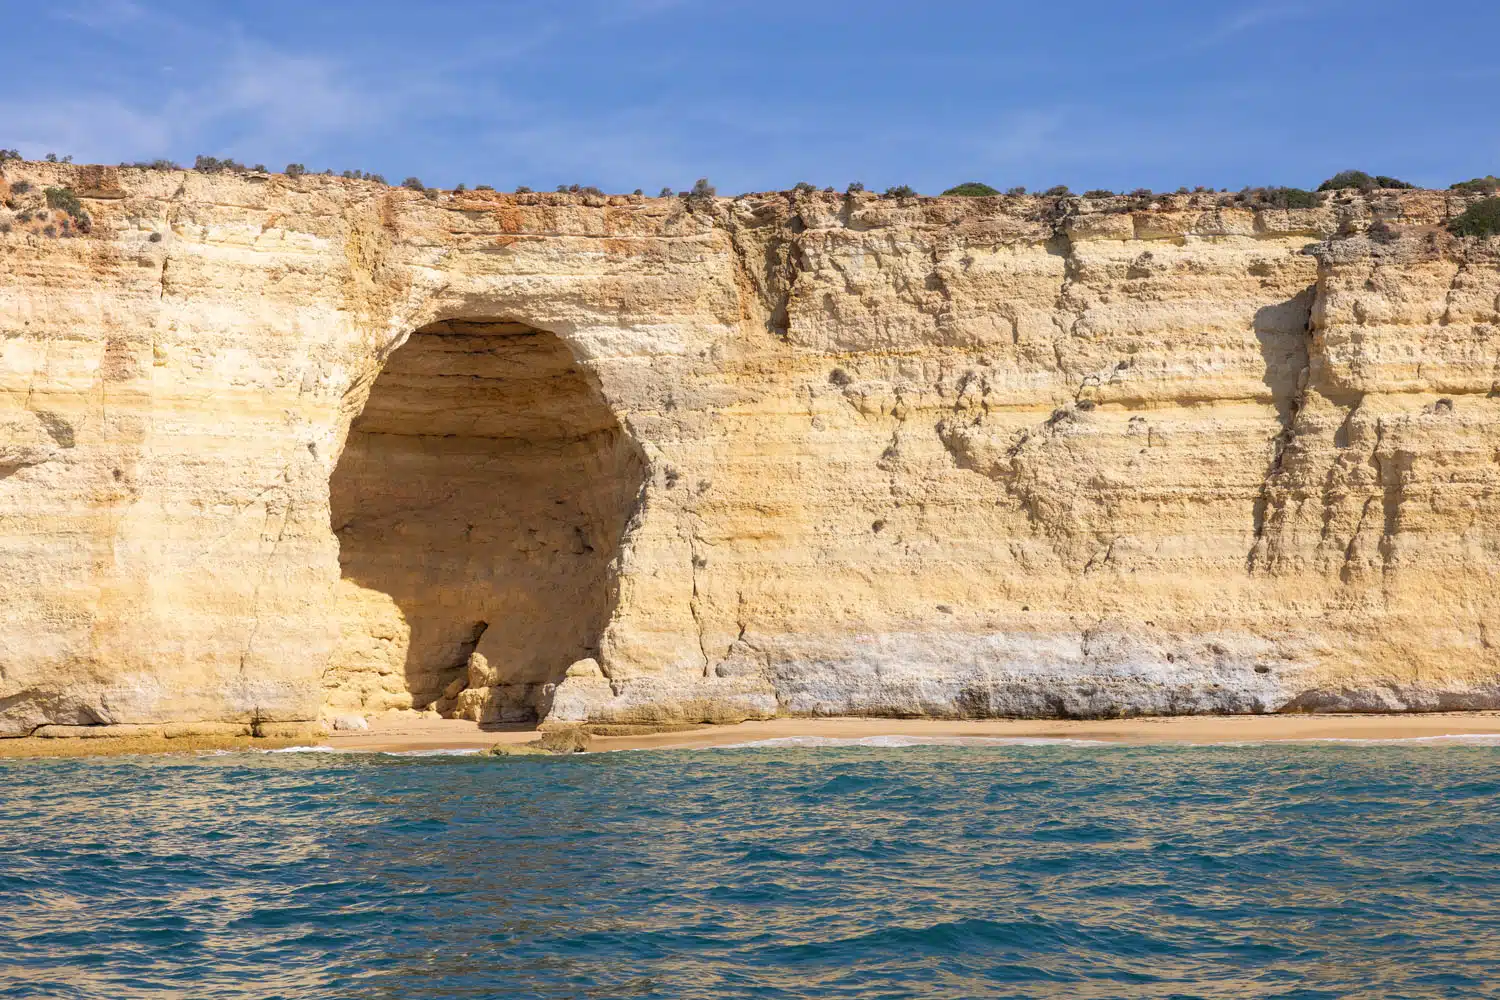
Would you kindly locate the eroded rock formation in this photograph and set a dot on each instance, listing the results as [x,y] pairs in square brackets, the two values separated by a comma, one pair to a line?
[479,505]
[275,449]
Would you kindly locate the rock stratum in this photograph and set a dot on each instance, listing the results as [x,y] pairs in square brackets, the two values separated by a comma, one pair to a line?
[279,450]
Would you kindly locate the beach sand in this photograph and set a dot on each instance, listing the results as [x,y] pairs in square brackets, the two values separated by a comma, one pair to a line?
[404,733]
[399,735]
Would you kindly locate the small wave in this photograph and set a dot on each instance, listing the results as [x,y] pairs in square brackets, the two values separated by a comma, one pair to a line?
[450,752]
[1479,739]
[909,741]
[1475,739]
[344,751]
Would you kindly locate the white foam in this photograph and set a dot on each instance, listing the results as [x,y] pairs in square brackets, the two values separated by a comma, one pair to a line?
[468,752]
[1478,739]
[909,741]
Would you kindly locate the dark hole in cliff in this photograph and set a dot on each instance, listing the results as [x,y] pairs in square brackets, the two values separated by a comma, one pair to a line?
[479,504]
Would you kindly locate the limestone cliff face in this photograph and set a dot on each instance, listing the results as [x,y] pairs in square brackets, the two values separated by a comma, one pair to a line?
[273,449]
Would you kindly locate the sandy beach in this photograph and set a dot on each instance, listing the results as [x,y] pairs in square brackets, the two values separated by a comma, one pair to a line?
[397,733]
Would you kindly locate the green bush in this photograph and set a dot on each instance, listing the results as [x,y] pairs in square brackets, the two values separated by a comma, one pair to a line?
[802,187]
[20,187]
[1480,219]
[971,189]
[703,189]
[1098,193]
[53,158]
[157,164]
[1060,191]
[1345,179]
[665,192]
[9,154]
[1479,185]
[484,187]
[65,200]
[412,184]
[214,165]
[1017,191]
[1283,197]
[901,191]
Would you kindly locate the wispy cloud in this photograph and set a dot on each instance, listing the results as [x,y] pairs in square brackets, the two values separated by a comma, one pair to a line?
[257,99]
[101,14]
[1256,16]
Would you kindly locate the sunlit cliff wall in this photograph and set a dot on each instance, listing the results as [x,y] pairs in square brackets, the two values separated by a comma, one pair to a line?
[739,457]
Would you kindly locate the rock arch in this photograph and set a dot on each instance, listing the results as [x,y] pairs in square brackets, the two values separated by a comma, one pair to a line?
[480,504]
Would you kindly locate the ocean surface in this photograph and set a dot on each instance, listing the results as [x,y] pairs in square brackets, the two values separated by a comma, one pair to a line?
[1023,869]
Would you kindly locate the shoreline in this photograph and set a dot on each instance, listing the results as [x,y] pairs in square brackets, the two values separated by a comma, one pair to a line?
[405,734]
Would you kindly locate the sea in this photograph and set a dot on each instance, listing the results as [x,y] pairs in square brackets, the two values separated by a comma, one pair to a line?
[812,868]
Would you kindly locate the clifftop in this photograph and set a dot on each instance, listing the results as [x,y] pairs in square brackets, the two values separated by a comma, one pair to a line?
[1342,212]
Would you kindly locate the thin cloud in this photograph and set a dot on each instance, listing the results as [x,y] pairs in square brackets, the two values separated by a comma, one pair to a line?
[258,100]
[102,15]
[1249,18]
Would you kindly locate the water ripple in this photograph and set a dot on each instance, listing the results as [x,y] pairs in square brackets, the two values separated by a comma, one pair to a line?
[879,870]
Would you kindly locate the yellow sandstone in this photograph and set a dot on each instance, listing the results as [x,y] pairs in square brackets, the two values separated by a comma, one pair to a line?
[275,451]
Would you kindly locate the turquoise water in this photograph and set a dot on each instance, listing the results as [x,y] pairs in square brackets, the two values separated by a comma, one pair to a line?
[1310,870]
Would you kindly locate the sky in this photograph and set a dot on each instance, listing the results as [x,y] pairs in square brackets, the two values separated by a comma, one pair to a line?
[628,94]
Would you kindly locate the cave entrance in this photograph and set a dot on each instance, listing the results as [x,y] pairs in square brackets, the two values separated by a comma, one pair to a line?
[479,505]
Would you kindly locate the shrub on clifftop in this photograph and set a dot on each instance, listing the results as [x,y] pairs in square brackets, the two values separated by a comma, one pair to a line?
[1479,185]
[214,165]
[971,189]
[1277,197]
[1362,181]
[1480,219]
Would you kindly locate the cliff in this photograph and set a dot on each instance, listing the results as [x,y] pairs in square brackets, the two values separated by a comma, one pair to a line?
[276,449]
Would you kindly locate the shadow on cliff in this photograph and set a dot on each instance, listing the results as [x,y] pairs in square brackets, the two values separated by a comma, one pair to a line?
[479,504]
[1282,330]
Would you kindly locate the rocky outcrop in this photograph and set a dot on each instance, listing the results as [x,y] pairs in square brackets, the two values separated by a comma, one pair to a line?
[275,450]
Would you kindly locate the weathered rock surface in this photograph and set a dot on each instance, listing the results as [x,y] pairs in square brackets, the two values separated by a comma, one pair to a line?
[277,450]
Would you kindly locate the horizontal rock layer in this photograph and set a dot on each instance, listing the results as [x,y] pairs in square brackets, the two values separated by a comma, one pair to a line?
[739,457]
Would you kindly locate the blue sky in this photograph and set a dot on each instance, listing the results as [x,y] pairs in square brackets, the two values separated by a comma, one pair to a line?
[757,96]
